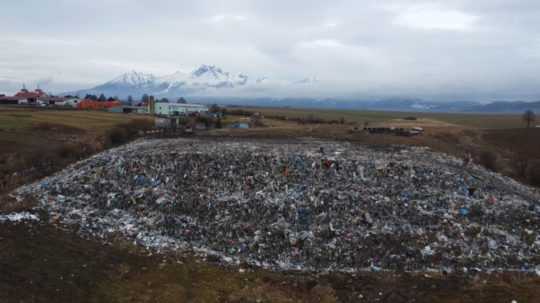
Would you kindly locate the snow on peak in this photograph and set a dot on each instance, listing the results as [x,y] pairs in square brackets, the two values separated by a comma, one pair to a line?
[134,78]
[202,80]
[209,71]
[177,77]
[211,76]
[203,77]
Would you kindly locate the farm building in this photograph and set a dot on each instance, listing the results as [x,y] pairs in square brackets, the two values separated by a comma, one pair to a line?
[166,123]
[71,101]
[91,104]
[50,100]
[176,109]
[127,109]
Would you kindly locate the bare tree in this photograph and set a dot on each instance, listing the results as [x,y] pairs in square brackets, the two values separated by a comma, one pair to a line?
[529,117]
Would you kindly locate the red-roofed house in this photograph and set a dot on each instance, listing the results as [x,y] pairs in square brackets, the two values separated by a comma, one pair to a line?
[27,97]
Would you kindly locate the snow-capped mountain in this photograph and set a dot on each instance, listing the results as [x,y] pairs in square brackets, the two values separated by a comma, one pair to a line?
[134,79]
[204,80]
[206,76]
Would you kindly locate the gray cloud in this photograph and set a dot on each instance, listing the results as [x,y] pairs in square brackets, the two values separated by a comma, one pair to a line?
[453,49]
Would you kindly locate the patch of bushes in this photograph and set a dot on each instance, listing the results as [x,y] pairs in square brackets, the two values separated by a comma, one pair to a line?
[488,159]
[520,164]
[70,150]
[126,132]
[534,174]
[207,121]
[117,136]
[139,124]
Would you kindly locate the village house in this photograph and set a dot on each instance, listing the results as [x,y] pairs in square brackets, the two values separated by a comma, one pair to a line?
[50,101]
[70,101]
[128,109]
[25,96]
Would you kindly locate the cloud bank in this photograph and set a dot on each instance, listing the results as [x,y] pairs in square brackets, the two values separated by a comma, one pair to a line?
[476,50]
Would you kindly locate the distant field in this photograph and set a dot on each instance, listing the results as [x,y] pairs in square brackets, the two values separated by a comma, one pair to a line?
[483,121]
[96,121]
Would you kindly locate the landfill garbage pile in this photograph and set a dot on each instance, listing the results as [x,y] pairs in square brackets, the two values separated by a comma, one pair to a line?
[18,217]
[313,206]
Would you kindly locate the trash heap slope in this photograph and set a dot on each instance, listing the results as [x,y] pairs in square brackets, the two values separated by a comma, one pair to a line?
[307,206]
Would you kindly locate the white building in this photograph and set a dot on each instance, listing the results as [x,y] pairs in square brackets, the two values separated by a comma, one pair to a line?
[72,102]
[175,109]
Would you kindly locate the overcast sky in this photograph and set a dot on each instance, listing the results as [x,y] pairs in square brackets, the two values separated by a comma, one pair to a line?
[468,49]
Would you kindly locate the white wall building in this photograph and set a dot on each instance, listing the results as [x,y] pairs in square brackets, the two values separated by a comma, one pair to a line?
[71,102]
[175,109]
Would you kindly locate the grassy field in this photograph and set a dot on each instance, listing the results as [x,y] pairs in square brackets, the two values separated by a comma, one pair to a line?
[480,121]
[37,142]
[17,119]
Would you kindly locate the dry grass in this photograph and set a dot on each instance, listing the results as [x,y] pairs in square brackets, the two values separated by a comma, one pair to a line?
[95,121]
[37,142]
[482,121]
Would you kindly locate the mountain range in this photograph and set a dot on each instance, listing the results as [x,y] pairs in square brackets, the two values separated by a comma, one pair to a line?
[203,81]
[211,84]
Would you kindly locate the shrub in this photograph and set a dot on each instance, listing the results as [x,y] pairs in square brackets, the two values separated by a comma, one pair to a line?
[534,174]
[488,159]
[117,136]
[69,150]
[126,132]
[520,164]
[207,121]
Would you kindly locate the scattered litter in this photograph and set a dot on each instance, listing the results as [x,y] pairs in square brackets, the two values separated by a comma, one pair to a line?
[18,217]
[319,206]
